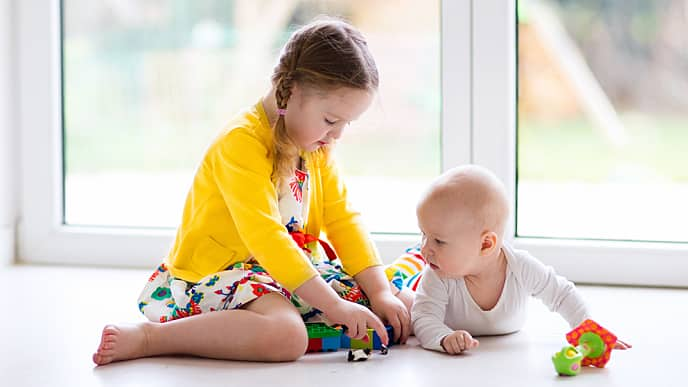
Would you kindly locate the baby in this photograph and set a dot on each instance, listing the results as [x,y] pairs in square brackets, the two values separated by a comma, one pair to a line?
[474,283]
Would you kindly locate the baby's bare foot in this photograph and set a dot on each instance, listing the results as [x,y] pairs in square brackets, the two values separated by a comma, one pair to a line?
[122,342]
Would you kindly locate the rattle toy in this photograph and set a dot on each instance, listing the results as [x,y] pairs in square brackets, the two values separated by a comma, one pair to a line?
[590,344]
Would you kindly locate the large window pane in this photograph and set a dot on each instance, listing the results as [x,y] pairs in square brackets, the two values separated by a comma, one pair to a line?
[147,85]
[603,112]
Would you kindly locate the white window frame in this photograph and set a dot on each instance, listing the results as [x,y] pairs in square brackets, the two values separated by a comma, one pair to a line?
[494,129]
[8,137]
[43,238]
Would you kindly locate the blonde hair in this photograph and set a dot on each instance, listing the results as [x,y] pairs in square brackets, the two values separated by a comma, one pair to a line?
[321,56]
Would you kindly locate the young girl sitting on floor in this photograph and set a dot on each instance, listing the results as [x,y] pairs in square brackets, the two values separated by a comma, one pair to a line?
[247,266]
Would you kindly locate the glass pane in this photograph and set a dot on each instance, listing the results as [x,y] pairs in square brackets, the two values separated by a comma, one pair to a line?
[148,84]
[603,111]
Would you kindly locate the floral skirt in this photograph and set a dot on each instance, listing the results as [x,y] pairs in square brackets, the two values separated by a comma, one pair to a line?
[166,298]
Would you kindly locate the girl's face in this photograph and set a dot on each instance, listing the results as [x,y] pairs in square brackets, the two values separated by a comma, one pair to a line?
[316,119]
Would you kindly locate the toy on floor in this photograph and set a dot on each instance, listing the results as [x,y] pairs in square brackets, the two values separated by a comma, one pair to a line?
[324,338]
[358,354]
[590,344]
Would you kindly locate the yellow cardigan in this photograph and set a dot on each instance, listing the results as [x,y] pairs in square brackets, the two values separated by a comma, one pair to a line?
[232,214]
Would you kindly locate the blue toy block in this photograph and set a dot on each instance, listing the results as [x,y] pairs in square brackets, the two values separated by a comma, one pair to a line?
[330,344]
[345,342]
[376,339]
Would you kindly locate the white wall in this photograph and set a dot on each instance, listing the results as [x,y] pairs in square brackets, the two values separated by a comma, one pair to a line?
[9,159]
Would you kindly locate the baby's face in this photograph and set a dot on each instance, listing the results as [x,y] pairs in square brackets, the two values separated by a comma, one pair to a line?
[450,245]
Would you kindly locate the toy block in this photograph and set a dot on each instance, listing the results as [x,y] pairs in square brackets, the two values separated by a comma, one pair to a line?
[330,344]
[360,344]
[322,337]
[377,344]
[344,341]
[314,345]
[319,330]
[372,343]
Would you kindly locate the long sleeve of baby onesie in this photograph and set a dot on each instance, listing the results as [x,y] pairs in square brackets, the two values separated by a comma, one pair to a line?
[429,310]
[556,292]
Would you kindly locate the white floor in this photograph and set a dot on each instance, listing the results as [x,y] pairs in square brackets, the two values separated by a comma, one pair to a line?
[52,318]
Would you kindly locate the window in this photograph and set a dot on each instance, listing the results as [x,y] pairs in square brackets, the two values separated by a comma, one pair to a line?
[136,90]
[147,85]
[602,114]
[472,110]
[592,157]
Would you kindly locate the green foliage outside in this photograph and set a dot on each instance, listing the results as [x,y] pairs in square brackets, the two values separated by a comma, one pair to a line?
[574,150]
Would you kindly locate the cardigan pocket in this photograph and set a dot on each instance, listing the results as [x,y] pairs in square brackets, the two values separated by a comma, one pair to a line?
[210,256]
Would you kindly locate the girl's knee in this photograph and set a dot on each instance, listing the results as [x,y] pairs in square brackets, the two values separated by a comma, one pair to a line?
[296,340]
[284,336]
[287,339]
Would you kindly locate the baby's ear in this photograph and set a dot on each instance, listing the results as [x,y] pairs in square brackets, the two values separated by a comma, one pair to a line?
[488,241]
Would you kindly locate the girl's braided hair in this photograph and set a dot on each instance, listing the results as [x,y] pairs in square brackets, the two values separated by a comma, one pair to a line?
[322,56]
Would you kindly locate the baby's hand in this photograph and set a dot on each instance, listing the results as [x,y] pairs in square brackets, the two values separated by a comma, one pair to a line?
[458,341]
[357,319]
[622,345]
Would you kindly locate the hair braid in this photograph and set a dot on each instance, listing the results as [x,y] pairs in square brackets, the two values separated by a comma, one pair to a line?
[322,56]
[283,90]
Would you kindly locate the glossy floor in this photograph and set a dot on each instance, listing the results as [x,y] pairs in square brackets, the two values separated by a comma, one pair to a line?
[52,318]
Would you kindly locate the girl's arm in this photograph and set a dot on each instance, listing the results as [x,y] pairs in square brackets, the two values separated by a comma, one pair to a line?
[375,285]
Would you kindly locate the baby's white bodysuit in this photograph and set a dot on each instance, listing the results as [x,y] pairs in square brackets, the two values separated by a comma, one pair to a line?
[444,305]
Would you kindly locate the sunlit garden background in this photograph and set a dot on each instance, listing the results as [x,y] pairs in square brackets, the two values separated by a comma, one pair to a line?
[602,108]
[603,119]
[149,84]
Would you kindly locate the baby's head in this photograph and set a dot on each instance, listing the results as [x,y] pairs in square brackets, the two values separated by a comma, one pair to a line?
[325,78]
[462,217]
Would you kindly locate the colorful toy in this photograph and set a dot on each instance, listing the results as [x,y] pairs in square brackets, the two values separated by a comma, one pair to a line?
[324,338]
[590,344]
[359,354]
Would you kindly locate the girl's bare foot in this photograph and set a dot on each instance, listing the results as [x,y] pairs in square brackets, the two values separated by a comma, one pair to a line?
[122,342]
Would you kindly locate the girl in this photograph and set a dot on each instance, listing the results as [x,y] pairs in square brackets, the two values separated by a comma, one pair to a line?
[247,266]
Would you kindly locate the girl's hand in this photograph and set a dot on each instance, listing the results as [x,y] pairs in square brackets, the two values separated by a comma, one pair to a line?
[622,345]
[392,311]
[356,318]
[458,341]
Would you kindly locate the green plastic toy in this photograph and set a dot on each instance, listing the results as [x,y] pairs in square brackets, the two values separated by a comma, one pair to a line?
[589,344]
